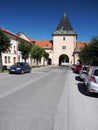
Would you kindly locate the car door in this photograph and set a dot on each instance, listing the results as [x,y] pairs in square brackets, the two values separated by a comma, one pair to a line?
[27,67]
[88,77]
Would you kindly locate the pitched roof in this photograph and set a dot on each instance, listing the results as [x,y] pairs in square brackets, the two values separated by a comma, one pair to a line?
[80,45]
[17,35]
[25,37]
[8,32]
[44,43]
[64,27]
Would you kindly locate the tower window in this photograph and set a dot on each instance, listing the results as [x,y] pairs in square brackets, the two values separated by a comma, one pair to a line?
[63,38]
[64,47]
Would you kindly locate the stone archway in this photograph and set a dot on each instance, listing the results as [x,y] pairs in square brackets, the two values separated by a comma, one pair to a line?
[63,59]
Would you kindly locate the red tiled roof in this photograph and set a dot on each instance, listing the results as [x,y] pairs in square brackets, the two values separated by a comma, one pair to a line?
[32,40]
[8,32]
[80,45]
[16,35]
[44,43]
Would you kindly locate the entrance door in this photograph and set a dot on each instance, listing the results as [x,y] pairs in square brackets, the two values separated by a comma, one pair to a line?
[14,60]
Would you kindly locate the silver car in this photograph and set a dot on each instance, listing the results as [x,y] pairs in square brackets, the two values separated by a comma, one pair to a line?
[83,71]
[91,80]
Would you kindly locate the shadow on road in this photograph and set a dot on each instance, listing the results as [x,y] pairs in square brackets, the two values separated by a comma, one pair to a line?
[82,88]
[78,78]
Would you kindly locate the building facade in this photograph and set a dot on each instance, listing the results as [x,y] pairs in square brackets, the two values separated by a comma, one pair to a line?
[13,55]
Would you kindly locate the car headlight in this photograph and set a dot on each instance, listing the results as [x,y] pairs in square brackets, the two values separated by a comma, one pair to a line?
[18,68]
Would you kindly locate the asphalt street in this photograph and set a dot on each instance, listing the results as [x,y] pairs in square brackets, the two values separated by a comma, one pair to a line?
[47,99]
[29,101]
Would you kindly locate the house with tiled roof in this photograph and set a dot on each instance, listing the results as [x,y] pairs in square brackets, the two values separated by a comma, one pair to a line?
[13,55]
[48,46]
[79,46]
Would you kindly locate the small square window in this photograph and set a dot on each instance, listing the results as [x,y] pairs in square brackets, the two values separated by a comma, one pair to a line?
[64,47]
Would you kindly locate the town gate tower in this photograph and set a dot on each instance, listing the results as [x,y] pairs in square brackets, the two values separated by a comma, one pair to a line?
[64,42]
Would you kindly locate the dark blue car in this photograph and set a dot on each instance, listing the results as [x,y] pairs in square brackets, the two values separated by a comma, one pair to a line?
[20,68]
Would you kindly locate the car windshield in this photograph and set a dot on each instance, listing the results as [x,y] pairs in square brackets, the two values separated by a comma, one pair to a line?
[85,68]
[19,64]
[96,72]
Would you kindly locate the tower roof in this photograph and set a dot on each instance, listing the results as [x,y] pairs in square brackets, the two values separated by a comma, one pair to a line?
[64,27]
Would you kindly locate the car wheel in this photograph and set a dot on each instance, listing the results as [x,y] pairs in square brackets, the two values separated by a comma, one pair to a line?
[30,71]
[22,71]
[9,72]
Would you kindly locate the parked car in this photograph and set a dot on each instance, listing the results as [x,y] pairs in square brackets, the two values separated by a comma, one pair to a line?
[83,71]
[20,68]
[73,66]
[77,68]
[91,80]
[65,64]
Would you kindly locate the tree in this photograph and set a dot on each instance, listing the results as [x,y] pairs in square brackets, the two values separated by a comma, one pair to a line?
[37,53]
[24,48]
[46,55]
[89,54]
[4,45]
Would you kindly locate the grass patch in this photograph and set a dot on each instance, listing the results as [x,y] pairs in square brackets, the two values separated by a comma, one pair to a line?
[4,71]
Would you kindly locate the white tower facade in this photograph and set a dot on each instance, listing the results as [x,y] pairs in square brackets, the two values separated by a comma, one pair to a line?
[64,42]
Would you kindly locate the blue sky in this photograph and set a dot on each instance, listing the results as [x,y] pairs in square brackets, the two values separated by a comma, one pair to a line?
[39,18]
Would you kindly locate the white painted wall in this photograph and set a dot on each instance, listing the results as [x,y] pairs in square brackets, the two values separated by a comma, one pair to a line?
[10,57]
[58,43]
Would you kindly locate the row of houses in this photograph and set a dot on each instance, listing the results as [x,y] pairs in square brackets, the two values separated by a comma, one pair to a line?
[64,44]
[13,55]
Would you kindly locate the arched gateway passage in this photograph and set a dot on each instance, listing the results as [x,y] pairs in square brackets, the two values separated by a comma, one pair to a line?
[49,61]
[63,59]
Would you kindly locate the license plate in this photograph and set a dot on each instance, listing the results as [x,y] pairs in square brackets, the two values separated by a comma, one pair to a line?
[12,70]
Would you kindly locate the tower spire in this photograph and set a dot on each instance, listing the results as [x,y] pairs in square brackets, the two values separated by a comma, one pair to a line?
[65,13]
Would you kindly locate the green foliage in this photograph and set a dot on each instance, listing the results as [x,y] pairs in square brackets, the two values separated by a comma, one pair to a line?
[89,54]
[46,55]
[4,45]
[25,49]
[4,42]
[37,53]
[64,58]
[94,39]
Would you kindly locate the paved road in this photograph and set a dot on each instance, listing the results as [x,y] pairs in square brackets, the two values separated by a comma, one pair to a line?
[47,99]
[76,110]
[29,101]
